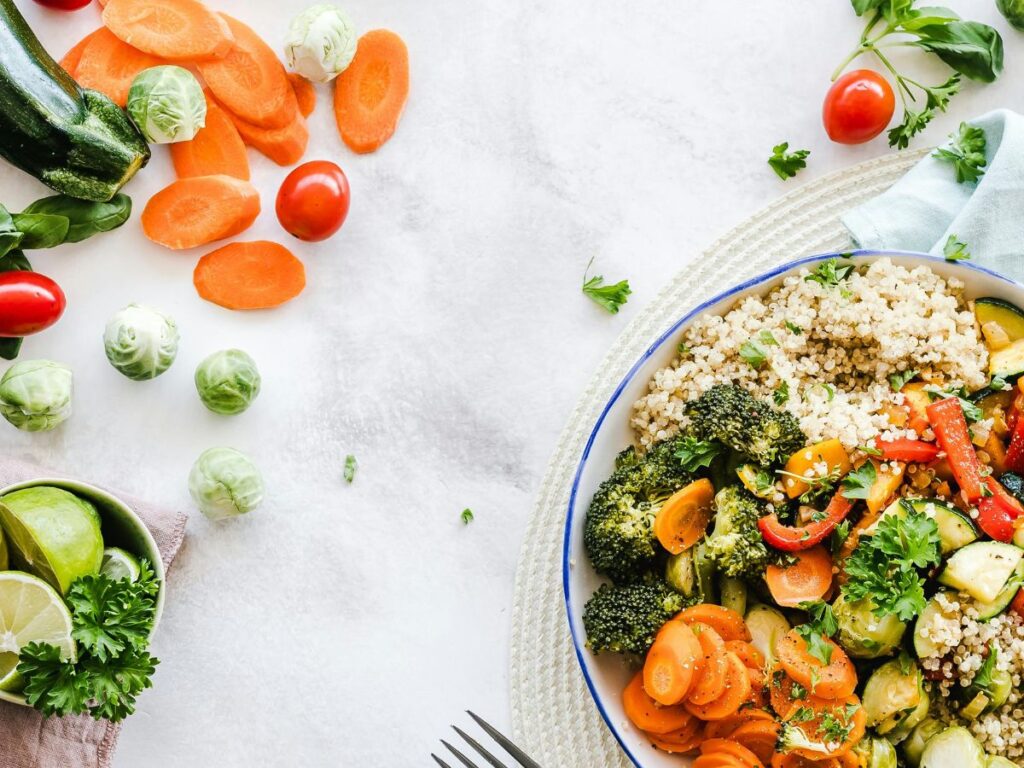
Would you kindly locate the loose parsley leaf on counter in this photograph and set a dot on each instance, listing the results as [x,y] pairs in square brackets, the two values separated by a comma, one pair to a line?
[351,465]
[966,153]
[611,297]
[787,164]
[467,516]
[954,250]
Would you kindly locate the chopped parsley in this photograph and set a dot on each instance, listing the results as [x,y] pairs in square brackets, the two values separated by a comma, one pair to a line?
[821,625]
[839,536]
[467,516]
[830,391]
[794,328]
[781,394]
[972,412]
[954,250]
[831,272]
[869,450]
[611,297]
[899,379]
[966,153]
[694,454]
[683,349]
[857,484]
[766,338]
[350,468]
[797,691]
[753,353]
[787,164]
[818,486]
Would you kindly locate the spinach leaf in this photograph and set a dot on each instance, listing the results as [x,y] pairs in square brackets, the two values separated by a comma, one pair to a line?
[41,230]
[11,262]
[971,48]
[85,218]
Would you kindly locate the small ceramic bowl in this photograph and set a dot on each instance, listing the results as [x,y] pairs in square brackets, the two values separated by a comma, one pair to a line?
[121,528]
[606,675]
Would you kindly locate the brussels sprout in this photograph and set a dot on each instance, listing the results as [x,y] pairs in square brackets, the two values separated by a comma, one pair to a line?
[167,104]
[321,43]
[228,381]
[140,342]
[876,753]
[224,483]
[914,745]
[1013,12]
[863,634]
[35,395]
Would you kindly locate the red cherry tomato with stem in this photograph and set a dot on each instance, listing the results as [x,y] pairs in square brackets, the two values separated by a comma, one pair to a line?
[64,5]
[29,303]
[858,107]
[313,201]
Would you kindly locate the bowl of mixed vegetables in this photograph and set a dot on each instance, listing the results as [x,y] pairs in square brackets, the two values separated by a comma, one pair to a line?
[81,593]
[796,535]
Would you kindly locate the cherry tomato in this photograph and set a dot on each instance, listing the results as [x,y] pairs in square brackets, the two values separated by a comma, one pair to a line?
[313,201]
[858,107]
[29,303]
[64,5]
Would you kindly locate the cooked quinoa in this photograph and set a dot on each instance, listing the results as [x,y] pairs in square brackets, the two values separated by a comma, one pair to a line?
[963,643]
[833,346]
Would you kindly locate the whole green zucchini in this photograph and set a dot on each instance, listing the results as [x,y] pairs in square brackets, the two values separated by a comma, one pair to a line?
[76,141]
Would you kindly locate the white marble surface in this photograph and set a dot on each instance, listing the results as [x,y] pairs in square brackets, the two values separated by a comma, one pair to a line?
[442,339]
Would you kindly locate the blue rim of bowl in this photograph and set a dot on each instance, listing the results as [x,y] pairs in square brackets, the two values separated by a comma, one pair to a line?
[764,277]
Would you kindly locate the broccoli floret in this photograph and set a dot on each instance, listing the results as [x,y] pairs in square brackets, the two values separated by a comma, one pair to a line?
[735,544]
[733,416]
[618,534]
[626,619]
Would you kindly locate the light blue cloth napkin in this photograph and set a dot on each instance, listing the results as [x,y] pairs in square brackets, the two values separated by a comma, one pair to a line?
[921,210]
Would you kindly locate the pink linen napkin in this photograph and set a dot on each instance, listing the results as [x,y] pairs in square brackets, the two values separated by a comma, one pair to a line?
[27,739]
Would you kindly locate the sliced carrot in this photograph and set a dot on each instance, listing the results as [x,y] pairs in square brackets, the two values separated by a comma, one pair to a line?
[720,729]
[846,711]
[710,684]
[785,693]
[726,622]
[758,689]
[672,663]
[109,65]
[806,580]
[793,760]
[370,95]
[759,736]
[285,146]
[749,655]
[254,275]
[683,518]
[305,93]
[737,691]
[69,63]
[250,81]
[717,760]
[730,747]
[647,715]
[216,150]
[182,30]
[686,739]
[834,680]
[196,211]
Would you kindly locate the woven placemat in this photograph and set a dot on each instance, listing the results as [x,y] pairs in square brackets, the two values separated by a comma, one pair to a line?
[553,715]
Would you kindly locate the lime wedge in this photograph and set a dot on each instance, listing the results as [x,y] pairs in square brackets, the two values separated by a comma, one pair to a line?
[118,564]
[52,534]
[31,611]
[3,551]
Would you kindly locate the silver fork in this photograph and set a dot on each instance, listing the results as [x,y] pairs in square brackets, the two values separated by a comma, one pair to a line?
[521,757]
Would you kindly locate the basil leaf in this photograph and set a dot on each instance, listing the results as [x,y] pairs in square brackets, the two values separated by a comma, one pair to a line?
[10,237]
[86,218]
[861,7]
[41,230]
[923,17]
[971,48]
[897,11]
[12,262]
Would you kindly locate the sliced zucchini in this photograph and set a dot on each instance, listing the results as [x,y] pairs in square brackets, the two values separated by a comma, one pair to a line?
[982,569]
[933,613]
[1007,316]
[1008,362]
[873,752]
[975,707]
[681,574]
[733,594]
[890,696]
[992,608]
[953,748]
[955,528]
[914,744]
[766,626]
[997,761]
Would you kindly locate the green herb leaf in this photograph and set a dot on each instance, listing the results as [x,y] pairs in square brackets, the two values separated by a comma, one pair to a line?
[972,411]
[983,677]
[969,47]
[753,353]
[936,100]
[830,391]
[857,484]
[966,153]
[954,250]
[694,454]
[839,536]
[41,230]
[10,237]
[831,272]
[467,516]
[766,338]
[611,297]
[793,328]
[350,468]
[787,164]
[861,7]
[899,379]
[818,646]
[869,450]
[85,218]
[781,394]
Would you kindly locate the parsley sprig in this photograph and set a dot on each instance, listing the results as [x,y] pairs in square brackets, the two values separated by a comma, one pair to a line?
[886,567]
[966,153]
[820,626]
[787,164]
[611,297]
[694,454]
[954,250]
[111,621]
[831,272]
[969,48]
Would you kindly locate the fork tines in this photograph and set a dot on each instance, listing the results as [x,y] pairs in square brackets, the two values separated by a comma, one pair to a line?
[521,757]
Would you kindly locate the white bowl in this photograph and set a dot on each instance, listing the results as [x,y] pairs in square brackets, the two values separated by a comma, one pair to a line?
[606,675]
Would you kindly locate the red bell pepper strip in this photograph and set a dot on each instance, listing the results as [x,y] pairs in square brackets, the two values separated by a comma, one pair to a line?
[1014,461]
[1017,606]
[950,426]
[904,449]
[997,513]
[796,539]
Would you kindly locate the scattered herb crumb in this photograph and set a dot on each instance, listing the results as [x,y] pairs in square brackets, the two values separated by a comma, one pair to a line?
[350,468]
[954,250]
[899,379]
[781,394]
[753,353]
[787,164]
[794,328]
[611,297]
[467,516]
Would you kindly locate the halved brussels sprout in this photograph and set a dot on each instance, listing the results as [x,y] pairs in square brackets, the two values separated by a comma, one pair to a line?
[140,342]
[35,395]
[863,634]
[167,104]
[913,746]
[876,753]
[892,694]
[321,43]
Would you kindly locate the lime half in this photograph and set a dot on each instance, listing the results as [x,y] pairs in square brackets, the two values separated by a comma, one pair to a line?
[52,534]
[118,564]
[3,551]
[31,611]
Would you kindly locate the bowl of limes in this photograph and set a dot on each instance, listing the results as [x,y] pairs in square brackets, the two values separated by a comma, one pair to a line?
[81,592]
